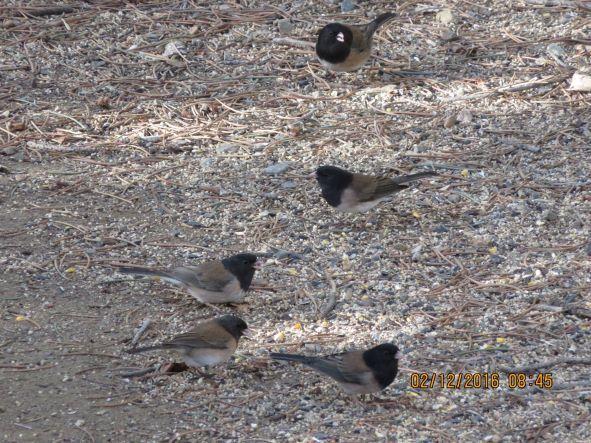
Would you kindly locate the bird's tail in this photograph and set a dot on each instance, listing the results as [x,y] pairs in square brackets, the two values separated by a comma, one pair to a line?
[379,21]
[144,349]
[292,357]
[149,273]
[413,177]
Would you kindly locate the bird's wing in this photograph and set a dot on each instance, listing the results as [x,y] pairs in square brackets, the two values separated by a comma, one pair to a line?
[369,188]
[347,367]
[386,186]
[196,339]
[361,41]
[210,276]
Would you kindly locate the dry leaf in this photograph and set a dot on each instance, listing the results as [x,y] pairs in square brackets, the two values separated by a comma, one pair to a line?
[17,126]
[104,102]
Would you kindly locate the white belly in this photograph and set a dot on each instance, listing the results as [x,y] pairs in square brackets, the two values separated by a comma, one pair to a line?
[232,293]
[209,357]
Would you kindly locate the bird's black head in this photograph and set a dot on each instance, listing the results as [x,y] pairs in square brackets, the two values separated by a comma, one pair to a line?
[334,43]
[234,325]
[383,361]
[333,181]
[243,267]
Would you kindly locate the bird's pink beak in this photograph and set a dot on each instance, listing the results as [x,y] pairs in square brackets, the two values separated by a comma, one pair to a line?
[258,265]
[247,333]
[311,175]
[341,37]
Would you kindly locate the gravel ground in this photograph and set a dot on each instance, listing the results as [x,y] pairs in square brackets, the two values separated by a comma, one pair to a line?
[165,133]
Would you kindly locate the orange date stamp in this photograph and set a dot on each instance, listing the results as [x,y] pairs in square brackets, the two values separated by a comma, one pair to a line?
[480,380]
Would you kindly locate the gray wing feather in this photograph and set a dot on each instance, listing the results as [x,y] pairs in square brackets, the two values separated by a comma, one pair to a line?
[202,277]
[333,367]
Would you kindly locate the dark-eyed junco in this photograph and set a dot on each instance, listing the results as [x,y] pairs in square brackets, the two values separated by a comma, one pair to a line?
[210,343]
[219,281]
[350,192]
[357,372]
[343,47]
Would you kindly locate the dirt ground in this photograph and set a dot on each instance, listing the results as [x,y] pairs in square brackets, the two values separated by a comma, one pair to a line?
[166,133]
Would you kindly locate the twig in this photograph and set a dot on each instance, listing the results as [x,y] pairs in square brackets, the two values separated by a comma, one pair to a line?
[513,88]
[44,12]
[140,331]
[92,354]
[431,165]
[577,311]
[116,405]
[293,42]
[326,85]
[107,194]
[139,372]
[38,368]
[528,369]
[559,3]
[82,125]
[6,343]
[178,435]
[33,322]
[88,434]
[92,368]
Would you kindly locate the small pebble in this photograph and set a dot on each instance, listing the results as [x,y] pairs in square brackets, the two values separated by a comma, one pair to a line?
[347,6]
[8,151]
[440,228]
[277,168]
[464,116]
[454,198]
[285,26]
[206,162]
[581,81]
[226,148]
[550,215]
[450,121]
[445,16]
[173,48]
[496,259]
[194,224]
[288,184]
[449,35]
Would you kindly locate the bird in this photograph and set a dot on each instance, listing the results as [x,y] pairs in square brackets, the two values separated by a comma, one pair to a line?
[211,282]
[350,192]
[356,372]
[210,343]
[343,48]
